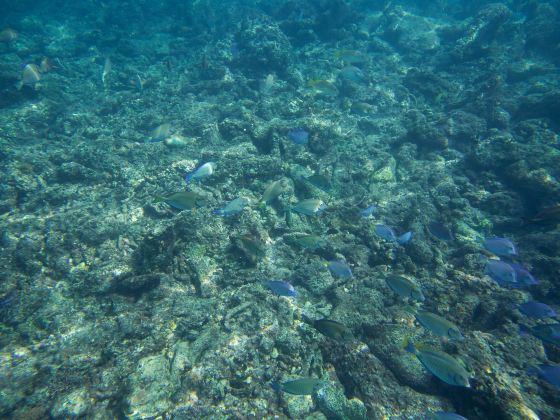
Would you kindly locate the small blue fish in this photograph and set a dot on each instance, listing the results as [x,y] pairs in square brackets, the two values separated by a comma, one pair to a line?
[386,232]
[232,208]
[440,231]
[404,238]
[281,288]
[524,277]
[549,333]
[299,136]
[500,246]
[535,310]
[352,73]
[501,272]
[550,373]
[368,211]
[310,207]
[340,269]
[202,171]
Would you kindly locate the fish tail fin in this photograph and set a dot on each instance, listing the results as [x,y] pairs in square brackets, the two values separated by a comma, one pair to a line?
[159,199]
[218,212]
[524,330]
[275,385]
[19,85]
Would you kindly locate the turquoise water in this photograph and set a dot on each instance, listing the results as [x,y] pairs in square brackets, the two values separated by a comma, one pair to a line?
[279,209]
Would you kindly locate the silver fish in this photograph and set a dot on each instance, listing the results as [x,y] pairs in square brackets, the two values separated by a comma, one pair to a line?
[274,189]
[441,365]
[106,70]
[438,325]
[310,206]
[29,76]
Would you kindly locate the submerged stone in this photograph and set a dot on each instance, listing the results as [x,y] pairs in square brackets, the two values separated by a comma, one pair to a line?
[73,405]
[151,387]
[332,402]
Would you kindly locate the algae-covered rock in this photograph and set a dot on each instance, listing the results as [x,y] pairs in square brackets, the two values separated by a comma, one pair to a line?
[424,132]
[464,129]
[411,32]
[114,306]
[480,30]
[208,339]
[335,406]
[152,386]
[20,366]
[182,358]
[543,27]
[264,46]
[131,284]
[385,173]
[299,406]
[315,277]
[191,314]
[73,405]
[387,343]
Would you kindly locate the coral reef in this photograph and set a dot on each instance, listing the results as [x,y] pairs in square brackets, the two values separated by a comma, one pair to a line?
[118,302]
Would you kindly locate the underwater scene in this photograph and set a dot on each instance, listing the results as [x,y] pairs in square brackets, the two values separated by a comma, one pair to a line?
[280,209]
